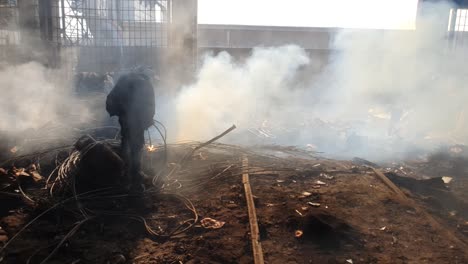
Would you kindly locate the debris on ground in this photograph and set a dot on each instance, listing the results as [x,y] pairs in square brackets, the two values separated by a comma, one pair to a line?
[117,259]
[211,223]
[298,233]
[320,183]
[447,179]
[82,224]
[363,162]
[3,236]
[326,176]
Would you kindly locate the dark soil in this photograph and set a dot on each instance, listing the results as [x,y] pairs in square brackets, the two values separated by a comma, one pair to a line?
[345,213]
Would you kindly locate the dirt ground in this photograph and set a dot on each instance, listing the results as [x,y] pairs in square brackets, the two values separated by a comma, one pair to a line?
[344,212]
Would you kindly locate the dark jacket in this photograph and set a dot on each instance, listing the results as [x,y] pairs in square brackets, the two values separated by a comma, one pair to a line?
[132,99]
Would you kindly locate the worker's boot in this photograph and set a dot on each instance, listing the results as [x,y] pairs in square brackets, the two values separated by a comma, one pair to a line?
[137,184]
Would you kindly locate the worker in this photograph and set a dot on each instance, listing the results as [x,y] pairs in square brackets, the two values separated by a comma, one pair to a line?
[132,100]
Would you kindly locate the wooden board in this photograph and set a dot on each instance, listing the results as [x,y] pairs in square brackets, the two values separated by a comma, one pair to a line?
[254,231]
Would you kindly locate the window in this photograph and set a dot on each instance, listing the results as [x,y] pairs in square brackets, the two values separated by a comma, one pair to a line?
[458,20]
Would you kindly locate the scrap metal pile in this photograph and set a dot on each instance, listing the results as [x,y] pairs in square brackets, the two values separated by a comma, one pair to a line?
[85,182]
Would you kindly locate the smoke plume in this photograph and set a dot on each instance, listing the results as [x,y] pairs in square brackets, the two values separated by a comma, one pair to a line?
[34,96]
[382,94]
[227,92]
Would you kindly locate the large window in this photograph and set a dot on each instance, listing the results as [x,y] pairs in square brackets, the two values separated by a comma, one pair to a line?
[113,23]
[9,33]
[458,20]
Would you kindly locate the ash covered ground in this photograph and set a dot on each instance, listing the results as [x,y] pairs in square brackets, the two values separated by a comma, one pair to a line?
[310,209]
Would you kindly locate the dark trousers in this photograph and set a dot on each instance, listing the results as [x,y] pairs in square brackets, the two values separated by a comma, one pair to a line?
[133,140]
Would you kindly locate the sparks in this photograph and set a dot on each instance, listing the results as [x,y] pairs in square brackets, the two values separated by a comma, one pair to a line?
[151,148]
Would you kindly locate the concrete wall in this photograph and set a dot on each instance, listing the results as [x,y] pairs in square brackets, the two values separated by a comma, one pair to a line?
[240,37]
[240,40]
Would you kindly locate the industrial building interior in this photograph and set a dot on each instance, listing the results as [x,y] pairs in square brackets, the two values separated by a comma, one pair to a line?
[269,143]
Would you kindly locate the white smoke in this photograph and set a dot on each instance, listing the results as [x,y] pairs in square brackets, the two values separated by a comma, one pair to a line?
[383,94]
[33,96]
[227,92]
[412,77]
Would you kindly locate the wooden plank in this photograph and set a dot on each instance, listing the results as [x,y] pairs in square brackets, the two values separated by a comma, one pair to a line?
[254,231]
[390,184]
